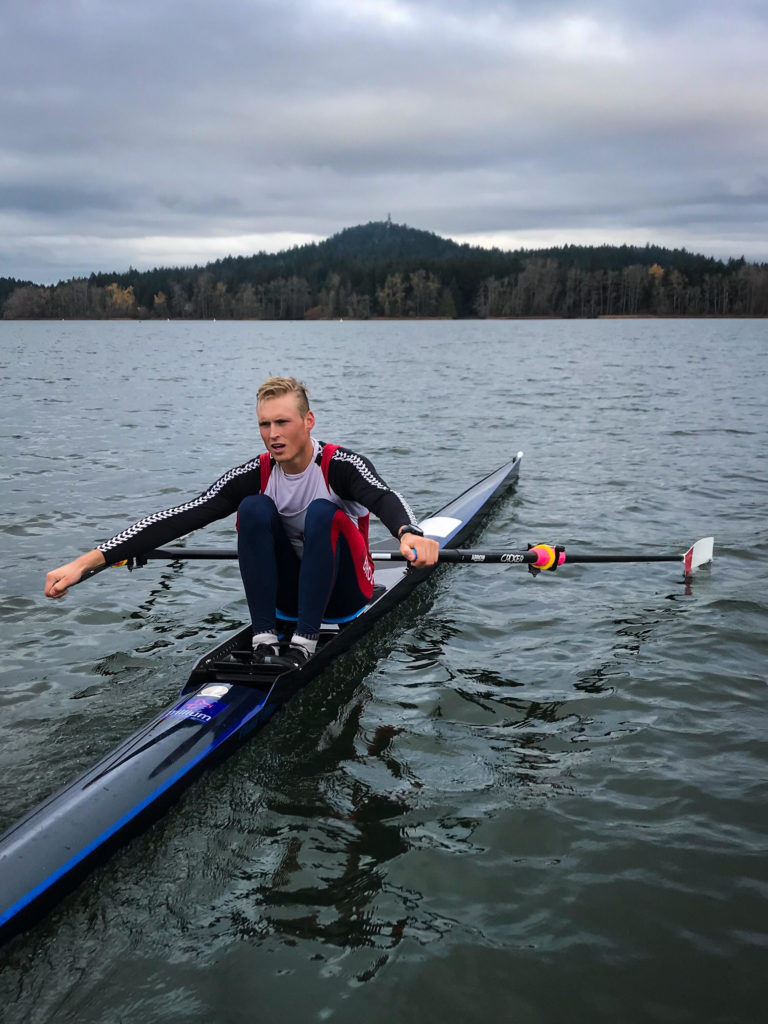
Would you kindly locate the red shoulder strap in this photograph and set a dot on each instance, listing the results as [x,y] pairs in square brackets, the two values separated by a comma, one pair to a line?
[265,466]
[325,461]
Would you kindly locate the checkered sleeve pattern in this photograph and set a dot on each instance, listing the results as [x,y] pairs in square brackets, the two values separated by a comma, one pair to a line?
[353,477]
[221,499]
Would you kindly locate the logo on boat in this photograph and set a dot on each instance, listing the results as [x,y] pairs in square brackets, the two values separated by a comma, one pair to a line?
[197,709]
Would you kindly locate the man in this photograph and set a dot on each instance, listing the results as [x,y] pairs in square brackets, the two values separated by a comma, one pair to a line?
[302,527]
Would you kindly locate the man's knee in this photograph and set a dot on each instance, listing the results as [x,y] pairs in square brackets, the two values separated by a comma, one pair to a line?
[255,512]
[319,517]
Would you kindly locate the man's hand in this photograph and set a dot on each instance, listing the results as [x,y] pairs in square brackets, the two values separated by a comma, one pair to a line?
[57,580]
[420,551]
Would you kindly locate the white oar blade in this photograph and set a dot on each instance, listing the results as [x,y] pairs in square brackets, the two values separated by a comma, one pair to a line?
[699,554]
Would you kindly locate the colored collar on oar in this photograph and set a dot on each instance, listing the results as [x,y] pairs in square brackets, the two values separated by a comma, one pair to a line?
[548,558]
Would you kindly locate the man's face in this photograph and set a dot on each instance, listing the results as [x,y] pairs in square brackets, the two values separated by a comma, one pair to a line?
[286,433]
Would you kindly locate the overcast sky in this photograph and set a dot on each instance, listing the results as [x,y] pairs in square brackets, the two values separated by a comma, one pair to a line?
[166,132]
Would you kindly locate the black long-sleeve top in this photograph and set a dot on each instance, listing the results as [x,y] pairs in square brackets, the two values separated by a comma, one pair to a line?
[351,476]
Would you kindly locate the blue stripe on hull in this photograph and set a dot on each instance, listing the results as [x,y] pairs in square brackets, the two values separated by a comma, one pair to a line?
[127,818]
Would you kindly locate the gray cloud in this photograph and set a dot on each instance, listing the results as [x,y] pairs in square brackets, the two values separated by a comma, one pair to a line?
[146,133]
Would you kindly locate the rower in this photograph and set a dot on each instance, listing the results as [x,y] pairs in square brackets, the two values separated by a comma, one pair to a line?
[303,509]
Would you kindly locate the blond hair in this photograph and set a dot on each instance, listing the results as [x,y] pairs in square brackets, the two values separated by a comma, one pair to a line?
[276,387]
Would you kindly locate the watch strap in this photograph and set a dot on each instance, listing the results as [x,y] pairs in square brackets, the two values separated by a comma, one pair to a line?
[410,528]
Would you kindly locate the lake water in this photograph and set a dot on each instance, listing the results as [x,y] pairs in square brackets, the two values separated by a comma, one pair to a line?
[520,800]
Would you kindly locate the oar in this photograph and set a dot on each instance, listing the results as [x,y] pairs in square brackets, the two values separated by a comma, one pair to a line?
[538,556]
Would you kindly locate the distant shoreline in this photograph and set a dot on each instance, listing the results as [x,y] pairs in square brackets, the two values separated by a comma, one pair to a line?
[385,319]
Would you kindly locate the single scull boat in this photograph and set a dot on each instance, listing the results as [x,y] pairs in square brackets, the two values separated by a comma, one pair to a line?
[45,854]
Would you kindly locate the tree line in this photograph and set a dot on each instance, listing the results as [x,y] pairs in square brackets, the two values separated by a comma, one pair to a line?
[388,270]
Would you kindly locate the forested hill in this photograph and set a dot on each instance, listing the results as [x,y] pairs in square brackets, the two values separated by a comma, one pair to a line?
[383,269]
[8,286]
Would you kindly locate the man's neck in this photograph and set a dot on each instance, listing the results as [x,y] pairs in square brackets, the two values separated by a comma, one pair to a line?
[300,462]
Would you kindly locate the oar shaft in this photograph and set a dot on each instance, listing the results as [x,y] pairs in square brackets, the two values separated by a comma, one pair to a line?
[638,557]
[202,554]
[524,557]
[453,555]
[462,555]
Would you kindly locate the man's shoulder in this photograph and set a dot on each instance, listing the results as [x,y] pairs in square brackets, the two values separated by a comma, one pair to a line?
[340,453]
[333,451]
[354,467]
[236,472]
[248,466]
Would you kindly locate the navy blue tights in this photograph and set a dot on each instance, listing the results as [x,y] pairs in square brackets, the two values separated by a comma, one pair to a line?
[322,582]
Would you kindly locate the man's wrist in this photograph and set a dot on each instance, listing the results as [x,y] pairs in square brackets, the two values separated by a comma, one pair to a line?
[410,528]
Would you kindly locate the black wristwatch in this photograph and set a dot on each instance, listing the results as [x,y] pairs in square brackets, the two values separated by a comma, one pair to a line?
[410,528]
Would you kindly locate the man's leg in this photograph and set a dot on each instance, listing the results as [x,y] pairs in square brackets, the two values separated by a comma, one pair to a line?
[268,565]
[335,575]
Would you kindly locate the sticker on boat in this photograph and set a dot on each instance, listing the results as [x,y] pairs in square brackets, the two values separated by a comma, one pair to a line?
[440,526]
[197,709]
[216,690]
